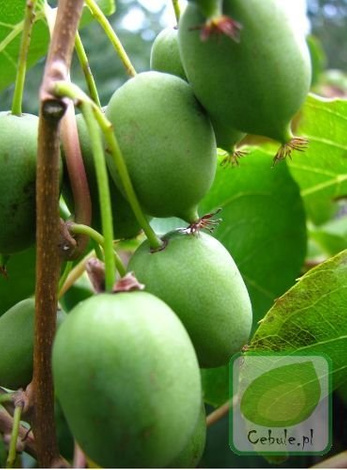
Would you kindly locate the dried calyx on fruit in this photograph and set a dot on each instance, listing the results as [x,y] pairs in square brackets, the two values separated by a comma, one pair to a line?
[216,22]
[196,276]
[257,85]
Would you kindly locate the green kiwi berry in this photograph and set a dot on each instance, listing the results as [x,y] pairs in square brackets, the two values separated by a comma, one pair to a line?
[196,276]
[127,378]
[255,85]
[167,142]
[18,150]
[165,54]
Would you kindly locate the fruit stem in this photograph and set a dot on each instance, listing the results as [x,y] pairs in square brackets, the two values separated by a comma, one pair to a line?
[220,412]
[104,192]
[64,276]
[117,156]
[7,397]
[210,8]
[112,36]
[99,239]
[75,274]
[83,60]
[12,451]
[74,160]
[23,55]
[63,209]
[74,92]
[48,229]
[98,251]
[177,10]
[77,175]
[6,424]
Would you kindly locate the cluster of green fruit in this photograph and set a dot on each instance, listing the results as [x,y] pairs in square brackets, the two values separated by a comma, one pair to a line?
[143,354]
[252,78]
[127,365]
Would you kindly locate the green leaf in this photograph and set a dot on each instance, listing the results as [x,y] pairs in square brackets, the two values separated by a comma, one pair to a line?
[11,26]
[321,171]
[311,318]
[331,237]
[215,385]
[264,225]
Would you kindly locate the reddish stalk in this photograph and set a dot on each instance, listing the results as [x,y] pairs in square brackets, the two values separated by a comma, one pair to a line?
[77,177]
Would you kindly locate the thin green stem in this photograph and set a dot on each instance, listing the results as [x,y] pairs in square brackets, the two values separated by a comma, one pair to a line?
[83,60]
[23,54]
[12,452]
[112,36]
[104,192]
[63,209]
[98,251]
[64,276]
[75,274]
[72,91]
[89,231]
[6,398]
[99,239]
[177,10]
[118,159]
[211,9]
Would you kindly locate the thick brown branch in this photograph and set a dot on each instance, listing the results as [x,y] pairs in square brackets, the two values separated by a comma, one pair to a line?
[61,47]
[48,261]
[48,265]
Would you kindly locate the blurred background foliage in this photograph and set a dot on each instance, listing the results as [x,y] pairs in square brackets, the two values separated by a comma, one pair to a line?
[328,22]
[137,22]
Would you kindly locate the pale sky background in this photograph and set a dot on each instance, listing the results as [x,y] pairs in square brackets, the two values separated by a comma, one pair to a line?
[135,18]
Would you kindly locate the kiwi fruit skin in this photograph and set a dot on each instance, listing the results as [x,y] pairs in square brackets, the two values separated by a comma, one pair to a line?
[255,85]
[127,378]
[18,150]
[17,344]
[18,280]
[165,54]
[196,276]
[167,142]
[192,452]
